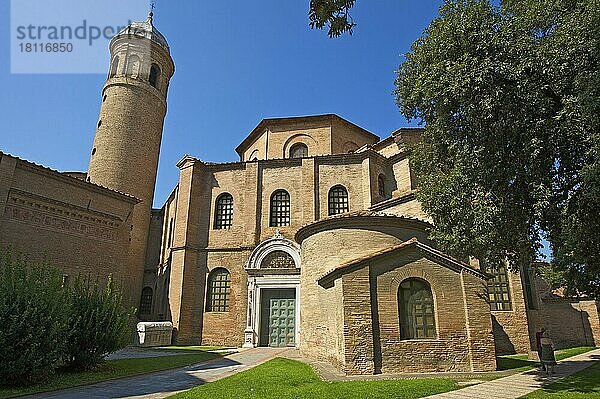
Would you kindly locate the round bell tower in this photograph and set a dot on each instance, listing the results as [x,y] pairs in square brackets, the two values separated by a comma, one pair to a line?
[129,132]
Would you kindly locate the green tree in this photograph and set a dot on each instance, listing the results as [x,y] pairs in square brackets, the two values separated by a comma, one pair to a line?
[333,14]
[99,323]
[33,319]
[510,99]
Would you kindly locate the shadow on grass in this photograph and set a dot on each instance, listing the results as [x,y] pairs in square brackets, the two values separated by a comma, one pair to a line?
[521,363]
[586,383]
[583,384]
[120,368]
[510,363]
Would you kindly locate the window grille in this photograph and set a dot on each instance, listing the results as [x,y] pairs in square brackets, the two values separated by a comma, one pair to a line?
[146,301]
[498,289]
[299,150]
[219,285]
[338,200]
[280,209]
[224,211]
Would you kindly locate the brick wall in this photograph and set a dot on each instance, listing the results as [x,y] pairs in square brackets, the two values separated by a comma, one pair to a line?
[251,184]
[452,350]
[511,328]
[358,323]
[370,324]
[227,328]
[321,310]
[79,227]
[569,321]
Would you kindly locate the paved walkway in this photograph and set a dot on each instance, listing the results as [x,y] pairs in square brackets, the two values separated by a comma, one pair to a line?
[165,383]
[133,352]
[521,384]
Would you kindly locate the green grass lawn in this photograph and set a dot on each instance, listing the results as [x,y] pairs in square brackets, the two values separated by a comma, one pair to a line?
[283,378]
[582,385]
[112,369]
[521,363]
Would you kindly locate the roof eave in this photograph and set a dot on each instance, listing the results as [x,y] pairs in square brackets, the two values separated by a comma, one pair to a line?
[439,257]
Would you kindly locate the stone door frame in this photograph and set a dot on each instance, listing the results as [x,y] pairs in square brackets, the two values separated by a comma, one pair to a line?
[259,282]
[255,287]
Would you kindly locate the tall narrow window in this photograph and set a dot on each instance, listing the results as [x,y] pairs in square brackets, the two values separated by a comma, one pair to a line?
[280,209]
[528,287]
[154,75]
[381,185]
[415,308]
[498,289]
[224,211]
[299,150]
[170,239]
[219,285]
[114,67]
[338,200]
[146,301]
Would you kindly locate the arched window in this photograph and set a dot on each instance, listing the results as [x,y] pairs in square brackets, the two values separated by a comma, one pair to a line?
[146,301]
[114,67]
[154,75]
[299,150]
[224,211]
[280,209]
[415,308]
[498,289]
[381,185]
[253,156]
[133,66]
[219,284]
[350,147]
[338,200]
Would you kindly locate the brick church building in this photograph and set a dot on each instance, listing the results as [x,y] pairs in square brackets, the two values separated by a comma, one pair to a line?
[313,239]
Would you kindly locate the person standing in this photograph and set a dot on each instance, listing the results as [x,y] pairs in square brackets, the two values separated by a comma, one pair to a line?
[548,360]
[538,344]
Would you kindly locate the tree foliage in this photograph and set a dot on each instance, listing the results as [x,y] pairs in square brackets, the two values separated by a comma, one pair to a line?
[47,324]
[99,323]
[333,14]
[510,99]
[32,319]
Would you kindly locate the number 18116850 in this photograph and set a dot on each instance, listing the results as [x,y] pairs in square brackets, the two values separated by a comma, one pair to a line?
[46,47]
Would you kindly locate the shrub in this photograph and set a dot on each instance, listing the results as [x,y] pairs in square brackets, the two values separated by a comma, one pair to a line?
[98,324]
[32,319]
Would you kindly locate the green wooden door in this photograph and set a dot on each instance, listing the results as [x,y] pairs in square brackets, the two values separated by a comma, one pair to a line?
[278,317]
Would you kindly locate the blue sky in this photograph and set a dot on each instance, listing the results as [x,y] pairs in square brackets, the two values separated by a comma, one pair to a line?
[236,63]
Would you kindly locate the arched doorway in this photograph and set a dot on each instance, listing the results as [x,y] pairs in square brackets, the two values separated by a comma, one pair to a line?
[273,294]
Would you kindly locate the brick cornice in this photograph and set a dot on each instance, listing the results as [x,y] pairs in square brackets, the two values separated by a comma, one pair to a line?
[394,201]
[358,220]
[54,174]
[331,159]
[45,201]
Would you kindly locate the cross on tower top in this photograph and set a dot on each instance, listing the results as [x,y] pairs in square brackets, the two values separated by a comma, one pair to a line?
[151,12]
